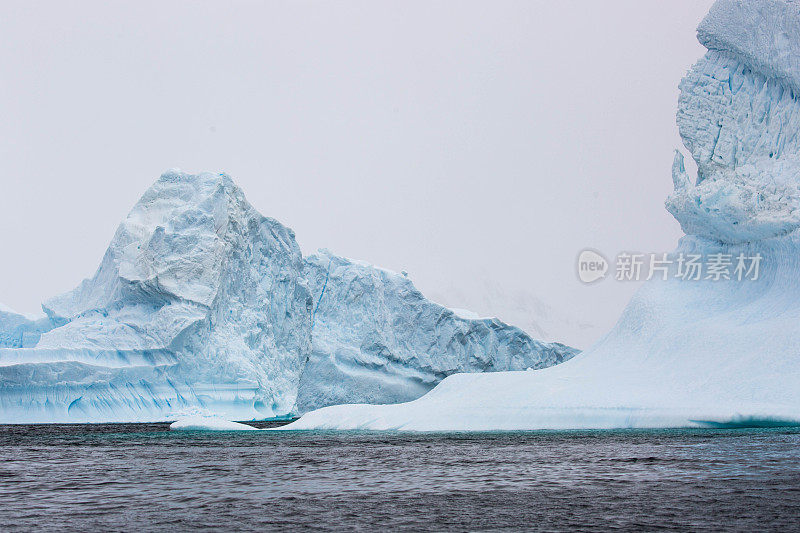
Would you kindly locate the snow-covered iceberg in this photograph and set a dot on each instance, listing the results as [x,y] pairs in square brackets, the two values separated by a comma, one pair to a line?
[201,304]
[685,352]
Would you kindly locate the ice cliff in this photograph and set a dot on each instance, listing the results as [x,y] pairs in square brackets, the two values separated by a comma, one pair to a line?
[685,352]
[203,306]
[739,116]
[376,339]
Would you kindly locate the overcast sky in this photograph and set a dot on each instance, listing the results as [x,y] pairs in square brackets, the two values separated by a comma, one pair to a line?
[471,144]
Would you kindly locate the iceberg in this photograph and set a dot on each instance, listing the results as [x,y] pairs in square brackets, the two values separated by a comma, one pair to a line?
[201,303]
[685,352]
[376,339]
[198,302]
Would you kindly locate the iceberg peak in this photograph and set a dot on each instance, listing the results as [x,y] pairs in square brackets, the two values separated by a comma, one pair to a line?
[199,302]
[762,34]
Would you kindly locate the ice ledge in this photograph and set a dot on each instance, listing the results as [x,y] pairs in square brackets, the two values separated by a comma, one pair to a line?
[208,423]
[763,34]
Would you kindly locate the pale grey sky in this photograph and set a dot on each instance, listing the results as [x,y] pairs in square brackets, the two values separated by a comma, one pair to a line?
[472,144]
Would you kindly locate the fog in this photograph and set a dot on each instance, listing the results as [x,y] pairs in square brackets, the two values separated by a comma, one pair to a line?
[479,146]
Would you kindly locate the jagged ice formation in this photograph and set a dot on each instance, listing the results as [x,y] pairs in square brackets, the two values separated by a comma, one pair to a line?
[377,339]
[739,116]
[199,303]
[202,306]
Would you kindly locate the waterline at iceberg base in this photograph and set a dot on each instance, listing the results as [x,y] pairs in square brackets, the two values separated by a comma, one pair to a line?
[684,353]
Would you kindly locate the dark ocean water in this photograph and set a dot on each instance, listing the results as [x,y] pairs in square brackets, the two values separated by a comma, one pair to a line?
[142,477]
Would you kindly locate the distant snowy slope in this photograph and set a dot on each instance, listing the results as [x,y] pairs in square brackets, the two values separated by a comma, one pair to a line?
[487,297]
[685,352]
